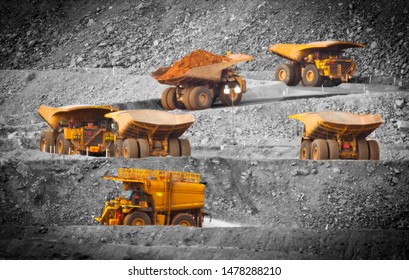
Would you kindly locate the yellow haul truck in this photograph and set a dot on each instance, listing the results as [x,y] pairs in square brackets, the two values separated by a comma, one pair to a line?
[144,133]
[338,135]
[315,62]
[198,88]
[77,128]
[156,197]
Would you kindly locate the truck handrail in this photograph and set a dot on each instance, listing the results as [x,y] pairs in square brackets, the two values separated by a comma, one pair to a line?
[125,174]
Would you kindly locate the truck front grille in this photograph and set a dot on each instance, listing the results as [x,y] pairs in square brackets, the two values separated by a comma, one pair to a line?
[89,133]
[339,68]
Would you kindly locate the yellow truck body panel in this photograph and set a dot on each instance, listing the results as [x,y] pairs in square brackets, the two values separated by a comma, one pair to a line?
[297,52]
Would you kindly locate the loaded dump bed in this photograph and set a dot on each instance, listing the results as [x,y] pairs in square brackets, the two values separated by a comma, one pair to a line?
[328,125]
[209,69]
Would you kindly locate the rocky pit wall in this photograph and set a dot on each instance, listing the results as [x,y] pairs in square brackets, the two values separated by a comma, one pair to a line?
[87,34]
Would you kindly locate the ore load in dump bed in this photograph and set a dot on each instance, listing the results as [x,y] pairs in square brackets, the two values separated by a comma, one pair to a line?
[201,77]
[76,129]
[156,197]
[315,63]
[144,133]
[338,135]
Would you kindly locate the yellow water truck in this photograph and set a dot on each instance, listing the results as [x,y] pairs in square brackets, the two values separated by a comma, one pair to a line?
[155,197]
[314,63]
[76,129]
[338,135]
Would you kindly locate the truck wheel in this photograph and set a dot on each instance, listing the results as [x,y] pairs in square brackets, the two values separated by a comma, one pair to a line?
[137,219]
[243,86]
[143,146]
[333,149]
[130,148]
[111,149]
[374,150]
[311,76]
[215,93]
[46,141]
[305,149]
[319,149]
[186,102]
[200,98]
[174,147]
[164,99]
[185,150]
[168,100]
[363,153]
[118,148]
[226,99]
[183,219]
[285,73]
[63,145]
[297,74]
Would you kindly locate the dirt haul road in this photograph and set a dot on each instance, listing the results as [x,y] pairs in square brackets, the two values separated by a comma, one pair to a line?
[258,182]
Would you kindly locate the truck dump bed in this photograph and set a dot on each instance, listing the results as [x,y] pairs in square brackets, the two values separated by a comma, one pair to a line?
[328,125]
[297,52]
[157,124]
[210,72]
[186,191]
[83,113]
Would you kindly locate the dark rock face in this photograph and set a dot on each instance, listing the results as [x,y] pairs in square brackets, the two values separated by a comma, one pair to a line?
[56,34]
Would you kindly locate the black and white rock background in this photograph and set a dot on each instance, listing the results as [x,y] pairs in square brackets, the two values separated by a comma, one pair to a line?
[101,52]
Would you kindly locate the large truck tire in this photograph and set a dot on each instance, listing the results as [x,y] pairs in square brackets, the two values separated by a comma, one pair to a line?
[63,145]
[374,150]
[319,149]
[130,148]
[183,219]
[137,219]
[185,150]
[169,100]
[243,86]
[363,153]
[305,149]
[186,95]
[285,73]
[111,149]
[143,146]
[118,148]
[164,99]
[174,147]
[226,99]
[311,76]
[200,98]
[333,149]
[297,74]
[46,141]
